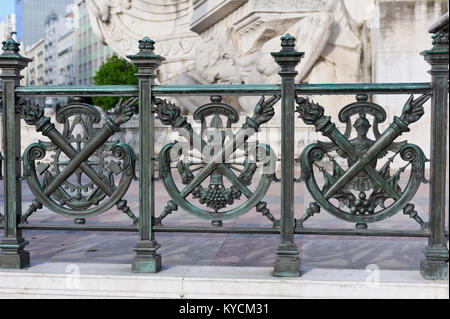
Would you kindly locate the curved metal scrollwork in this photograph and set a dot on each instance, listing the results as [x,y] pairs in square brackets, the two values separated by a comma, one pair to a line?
[214,147]
[76,153]
[362,190]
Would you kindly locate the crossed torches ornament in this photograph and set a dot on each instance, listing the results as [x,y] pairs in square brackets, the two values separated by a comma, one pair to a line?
[313,114]
[34,115]
[169,114]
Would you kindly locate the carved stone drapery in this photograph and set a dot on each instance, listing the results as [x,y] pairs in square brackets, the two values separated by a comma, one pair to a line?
[236,38]
[121,23]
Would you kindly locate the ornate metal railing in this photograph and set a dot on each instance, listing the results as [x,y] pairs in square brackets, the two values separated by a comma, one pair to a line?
[349,177]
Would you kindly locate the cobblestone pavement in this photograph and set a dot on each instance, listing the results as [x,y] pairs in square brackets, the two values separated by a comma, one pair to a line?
[229,249]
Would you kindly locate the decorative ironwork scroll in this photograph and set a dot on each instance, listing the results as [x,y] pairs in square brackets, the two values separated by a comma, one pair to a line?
[362,190]
[210,159]
[64,188]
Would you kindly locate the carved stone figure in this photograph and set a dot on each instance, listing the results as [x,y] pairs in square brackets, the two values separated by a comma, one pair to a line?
[329,38]
[214,64]
[121,23]
[236,54]
[236,49]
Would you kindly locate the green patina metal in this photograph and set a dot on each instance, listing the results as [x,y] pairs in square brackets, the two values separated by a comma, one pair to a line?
[287,262]
[230,89]
[344,175]
[216,195]
[373,187]
[147,259]
[13,253]
[56,192]
[435,266]
[87,90]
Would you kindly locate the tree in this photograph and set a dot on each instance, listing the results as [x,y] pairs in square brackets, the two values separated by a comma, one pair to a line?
[115,71]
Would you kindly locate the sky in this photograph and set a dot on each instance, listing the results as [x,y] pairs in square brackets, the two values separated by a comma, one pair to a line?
[6,7]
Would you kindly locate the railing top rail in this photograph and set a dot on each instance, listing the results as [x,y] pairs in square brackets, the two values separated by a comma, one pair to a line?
[78,90]
[329,88]
[368,88]
[247,89]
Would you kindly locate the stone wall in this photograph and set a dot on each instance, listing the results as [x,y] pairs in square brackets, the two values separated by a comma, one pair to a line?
[399,32]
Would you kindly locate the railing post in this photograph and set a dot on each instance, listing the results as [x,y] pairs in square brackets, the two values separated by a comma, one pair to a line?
[287,262]
[146,259]
[13,244]
[434,266]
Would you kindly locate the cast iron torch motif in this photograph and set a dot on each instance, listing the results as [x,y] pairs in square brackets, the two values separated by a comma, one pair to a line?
[79,179]
[209,156]
[364,189]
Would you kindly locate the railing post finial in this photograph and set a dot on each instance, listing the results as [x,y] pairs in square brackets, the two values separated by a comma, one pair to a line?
[287,43]
[12,245]
[10,47]
[146,44]
[435,265]
[147,260]
[287,262]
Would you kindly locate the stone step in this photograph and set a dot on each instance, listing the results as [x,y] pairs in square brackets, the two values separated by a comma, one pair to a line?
[90,280]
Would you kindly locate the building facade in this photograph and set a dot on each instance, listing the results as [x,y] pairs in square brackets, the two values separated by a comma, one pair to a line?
[57,28]
[65,60]
[89,52]
[31,16]
[36,68]
[53,64]
[7,27]
[52,26]
[35,72]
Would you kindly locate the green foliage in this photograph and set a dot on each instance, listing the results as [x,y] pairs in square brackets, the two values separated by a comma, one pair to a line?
[115,71]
